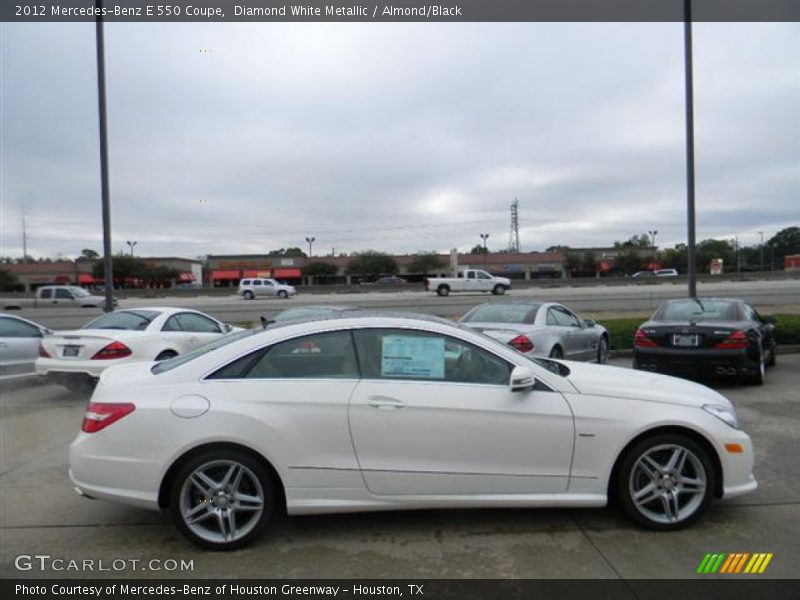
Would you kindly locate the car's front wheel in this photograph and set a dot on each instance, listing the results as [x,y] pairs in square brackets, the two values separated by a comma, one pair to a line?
[282,294]
[248,295]
[222,499]
[602,351]
[666,481]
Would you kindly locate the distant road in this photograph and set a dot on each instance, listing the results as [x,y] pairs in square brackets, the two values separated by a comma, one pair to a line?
[588,300]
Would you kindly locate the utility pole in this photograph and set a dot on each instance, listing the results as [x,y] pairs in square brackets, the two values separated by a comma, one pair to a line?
[104,187]
[691,258]
[513,234]
[653,233]
[484,237]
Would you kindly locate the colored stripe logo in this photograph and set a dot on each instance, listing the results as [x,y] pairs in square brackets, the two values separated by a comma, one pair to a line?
[735,563]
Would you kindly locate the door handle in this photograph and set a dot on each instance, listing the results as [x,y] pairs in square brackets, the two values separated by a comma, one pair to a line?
[384,402]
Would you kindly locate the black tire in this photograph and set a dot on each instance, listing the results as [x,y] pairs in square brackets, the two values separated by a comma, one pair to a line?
[248,295]
[443,290]
[166,354]
[669,494]
[556,352]
[602,350]
[499,290]
[773,354]
[282,294]
[184,496]
[757,377]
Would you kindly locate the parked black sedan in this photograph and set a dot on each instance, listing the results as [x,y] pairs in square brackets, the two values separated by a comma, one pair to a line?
[706,336]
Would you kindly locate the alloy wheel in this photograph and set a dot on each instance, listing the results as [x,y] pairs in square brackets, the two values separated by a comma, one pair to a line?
[668,484]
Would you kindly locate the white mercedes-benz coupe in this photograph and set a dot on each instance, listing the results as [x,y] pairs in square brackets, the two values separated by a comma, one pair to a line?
[387,411]
[76,358]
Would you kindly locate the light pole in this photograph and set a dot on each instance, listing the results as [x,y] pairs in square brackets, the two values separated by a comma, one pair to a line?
[108,267]
[653,233]
[691,250]
[484,237]
[310,241]
[131,245]
[761,249]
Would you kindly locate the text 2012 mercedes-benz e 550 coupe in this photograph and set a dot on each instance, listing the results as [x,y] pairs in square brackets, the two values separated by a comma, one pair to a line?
[381,412]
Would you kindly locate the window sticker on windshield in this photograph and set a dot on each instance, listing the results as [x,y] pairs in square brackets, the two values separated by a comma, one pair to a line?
[412,356]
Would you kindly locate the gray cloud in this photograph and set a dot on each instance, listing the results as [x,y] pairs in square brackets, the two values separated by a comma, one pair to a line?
[400,137]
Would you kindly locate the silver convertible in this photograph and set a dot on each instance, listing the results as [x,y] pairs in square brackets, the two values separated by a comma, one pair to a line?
[541,329]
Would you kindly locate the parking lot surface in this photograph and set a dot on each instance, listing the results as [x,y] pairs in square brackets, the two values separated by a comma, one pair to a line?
[41,515]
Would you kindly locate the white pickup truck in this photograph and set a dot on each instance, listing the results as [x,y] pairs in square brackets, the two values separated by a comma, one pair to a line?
[51,296]
[468,280]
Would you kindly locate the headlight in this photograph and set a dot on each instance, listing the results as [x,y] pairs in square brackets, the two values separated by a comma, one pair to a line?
[723,413]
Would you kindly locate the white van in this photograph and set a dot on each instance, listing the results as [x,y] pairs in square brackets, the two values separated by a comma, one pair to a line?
[666,273]
[250,288]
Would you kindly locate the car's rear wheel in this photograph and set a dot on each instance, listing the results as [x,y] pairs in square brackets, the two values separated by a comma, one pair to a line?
[443,290]
[222,499]
[602,350]
[666,481]
[556,352]
[282,294]
[78,383]
[248,295]
[773,353]
[757,377]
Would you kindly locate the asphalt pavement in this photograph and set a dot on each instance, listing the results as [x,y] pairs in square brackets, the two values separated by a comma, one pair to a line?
[42,515]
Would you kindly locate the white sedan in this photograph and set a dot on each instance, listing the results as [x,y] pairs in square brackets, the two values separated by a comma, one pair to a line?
[383,412]
[76,359]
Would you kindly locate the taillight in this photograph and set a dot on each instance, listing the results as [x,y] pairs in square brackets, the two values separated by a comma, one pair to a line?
[522,343]
[42,352]
[113,350]
[642,341]
[100,415]
[735,341]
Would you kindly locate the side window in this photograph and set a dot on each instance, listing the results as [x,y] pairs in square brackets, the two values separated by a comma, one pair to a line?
[267,282]
[551,317]
[197,323]
[471,275]
[750,313]
[566,319]
[46,294]
[417,355]
[63,294]
[256,282]
[172,324]
[482,275]
[18,329]
[320,356]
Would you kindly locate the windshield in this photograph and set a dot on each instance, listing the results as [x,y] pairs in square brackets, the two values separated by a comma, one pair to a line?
[130,320]
[503,313]
[699,310]
[171,363]
[79,292]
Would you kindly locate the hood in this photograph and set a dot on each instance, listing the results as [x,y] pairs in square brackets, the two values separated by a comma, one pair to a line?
[603,380]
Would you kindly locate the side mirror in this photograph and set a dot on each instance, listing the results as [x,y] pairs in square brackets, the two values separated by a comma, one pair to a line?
[522,379]
[589,323]
[770,319]
[226,327]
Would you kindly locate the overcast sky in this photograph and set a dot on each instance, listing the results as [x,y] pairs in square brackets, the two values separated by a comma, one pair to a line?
[228,138]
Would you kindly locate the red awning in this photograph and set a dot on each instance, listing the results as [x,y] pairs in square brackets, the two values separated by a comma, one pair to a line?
[286,273]
[251,274]
[186,278]
[225,274]
[85,278]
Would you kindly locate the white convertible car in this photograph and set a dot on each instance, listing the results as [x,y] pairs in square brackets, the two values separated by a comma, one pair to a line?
[76,359]
[383,412]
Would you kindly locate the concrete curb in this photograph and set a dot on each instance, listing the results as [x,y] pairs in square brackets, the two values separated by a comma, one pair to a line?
[784,349]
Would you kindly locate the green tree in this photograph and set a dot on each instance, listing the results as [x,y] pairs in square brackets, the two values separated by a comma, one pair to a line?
[629,261]
[372,263]
[8,280]
[572,261]
[293,252]
[425,263]
[589,262]
[479,249]
[784,243]
[635,241]
[89,253]
[320,269]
